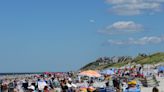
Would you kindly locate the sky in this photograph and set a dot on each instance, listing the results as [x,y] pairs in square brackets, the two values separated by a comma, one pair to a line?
[64,35]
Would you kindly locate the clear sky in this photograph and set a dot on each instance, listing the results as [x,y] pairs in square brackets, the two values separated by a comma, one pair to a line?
[63,35]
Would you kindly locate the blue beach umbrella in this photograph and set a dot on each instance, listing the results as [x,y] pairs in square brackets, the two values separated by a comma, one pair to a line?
[161,68]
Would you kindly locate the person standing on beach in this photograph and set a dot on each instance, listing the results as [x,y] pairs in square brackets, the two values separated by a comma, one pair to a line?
[4,86]
[41,84]
[132,87]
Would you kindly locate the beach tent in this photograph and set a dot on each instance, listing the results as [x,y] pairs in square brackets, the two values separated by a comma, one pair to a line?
[108,72]
[90,73]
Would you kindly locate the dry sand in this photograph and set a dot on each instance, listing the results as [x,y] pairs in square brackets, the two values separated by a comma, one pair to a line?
[160,87]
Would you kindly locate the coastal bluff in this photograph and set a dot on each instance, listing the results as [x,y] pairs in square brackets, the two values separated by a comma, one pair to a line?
[119,61]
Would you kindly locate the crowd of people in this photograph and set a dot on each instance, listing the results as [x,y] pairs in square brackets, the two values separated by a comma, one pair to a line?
[123,80]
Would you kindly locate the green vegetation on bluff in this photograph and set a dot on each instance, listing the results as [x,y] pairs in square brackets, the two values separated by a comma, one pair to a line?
[151,59]
[107,62]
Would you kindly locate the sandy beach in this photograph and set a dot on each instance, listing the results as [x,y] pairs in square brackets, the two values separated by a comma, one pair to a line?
[160,87]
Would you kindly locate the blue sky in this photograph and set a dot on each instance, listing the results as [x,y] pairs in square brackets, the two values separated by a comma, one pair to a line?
[63,35]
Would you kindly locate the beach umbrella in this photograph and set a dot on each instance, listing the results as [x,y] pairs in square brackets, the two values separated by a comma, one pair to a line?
[38,76]
[46,73]
[108,72]
[90,73]
[161,68]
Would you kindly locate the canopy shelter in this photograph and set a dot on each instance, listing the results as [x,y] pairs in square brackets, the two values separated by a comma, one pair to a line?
[90,73]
